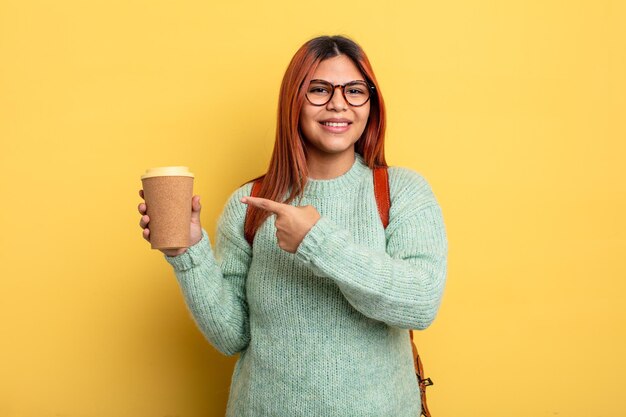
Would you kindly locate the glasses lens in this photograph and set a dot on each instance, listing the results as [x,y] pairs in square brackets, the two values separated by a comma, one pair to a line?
[319,92]
[356,93]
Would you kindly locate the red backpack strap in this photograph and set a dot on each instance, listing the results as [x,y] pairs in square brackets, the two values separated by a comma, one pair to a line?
[423,382]
[383,201]
[256,189]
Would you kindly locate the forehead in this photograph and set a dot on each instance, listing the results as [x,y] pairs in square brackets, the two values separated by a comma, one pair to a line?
[338,70]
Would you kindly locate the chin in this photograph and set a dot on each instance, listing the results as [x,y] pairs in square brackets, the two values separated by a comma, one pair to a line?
[333,150]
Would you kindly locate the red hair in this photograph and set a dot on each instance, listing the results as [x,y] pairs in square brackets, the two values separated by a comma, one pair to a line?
[288,171]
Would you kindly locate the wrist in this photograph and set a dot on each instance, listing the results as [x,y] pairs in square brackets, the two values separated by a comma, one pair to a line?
[191,256]
[174,252]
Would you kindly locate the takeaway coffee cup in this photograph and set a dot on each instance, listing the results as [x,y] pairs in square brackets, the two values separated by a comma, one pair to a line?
[168,192]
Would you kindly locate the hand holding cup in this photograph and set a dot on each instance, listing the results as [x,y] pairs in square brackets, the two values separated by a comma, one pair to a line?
[195,232]
[170,210]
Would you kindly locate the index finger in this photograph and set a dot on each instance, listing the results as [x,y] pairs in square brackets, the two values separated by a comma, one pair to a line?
[265,204]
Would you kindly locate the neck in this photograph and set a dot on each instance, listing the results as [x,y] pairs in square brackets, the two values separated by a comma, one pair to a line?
[329,166]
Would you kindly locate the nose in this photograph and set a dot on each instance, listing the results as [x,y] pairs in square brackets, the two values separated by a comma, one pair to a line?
[337,101]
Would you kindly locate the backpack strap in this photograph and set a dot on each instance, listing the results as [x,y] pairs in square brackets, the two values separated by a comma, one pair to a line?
[383,201]
[423,382]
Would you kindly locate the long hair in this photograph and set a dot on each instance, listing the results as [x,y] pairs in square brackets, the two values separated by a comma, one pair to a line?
[288,171]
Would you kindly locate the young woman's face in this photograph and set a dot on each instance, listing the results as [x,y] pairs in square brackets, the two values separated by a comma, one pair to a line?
[334,128]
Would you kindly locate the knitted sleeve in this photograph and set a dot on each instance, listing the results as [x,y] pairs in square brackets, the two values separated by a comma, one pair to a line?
[403,285]
[213,283]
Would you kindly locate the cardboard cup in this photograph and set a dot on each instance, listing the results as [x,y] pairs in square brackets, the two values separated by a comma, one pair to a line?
[167,192]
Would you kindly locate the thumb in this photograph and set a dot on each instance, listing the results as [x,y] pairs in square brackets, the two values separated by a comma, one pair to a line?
[195,208]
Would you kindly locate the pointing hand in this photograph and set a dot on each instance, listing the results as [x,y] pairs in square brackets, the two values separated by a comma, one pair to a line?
[292,223]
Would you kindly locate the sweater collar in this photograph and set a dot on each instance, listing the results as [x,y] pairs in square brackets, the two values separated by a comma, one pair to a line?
[338,185]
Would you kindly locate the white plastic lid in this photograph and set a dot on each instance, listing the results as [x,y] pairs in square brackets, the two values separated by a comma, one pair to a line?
[177,171]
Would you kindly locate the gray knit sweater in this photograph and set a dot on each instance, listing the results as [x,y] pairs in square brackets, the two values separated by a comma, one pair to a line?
[323,332]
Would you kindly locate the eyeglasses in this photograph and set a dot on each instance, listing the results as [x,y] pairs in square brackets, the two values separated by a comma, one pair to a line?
[356,93]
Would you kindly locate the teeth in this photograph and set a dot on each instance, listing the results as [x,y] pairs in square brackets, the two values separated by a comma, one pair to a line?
[332,124]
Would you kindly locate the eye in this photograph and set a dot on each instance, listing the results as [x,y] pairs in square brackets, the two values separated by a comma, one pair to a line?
[356,89]
[319,89]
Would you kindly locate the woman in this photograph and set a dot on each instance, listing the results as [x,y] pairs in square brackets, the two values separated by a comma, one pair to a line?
[318,304]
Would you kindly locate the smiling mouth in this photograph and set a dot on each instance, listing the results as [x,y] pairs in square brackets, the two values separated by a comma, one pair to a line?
[335,124]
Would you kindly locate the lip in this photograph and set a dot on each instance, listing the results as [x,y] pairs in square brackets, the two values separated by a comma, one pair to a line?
[336,120]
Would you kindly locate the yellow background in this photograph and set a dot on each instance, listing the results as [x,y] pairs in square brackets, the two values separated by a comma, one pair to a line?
[513,110]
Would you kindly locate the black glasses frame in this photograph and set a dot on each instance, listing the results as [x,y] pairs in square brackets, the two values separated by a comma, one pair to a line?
[343,91]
